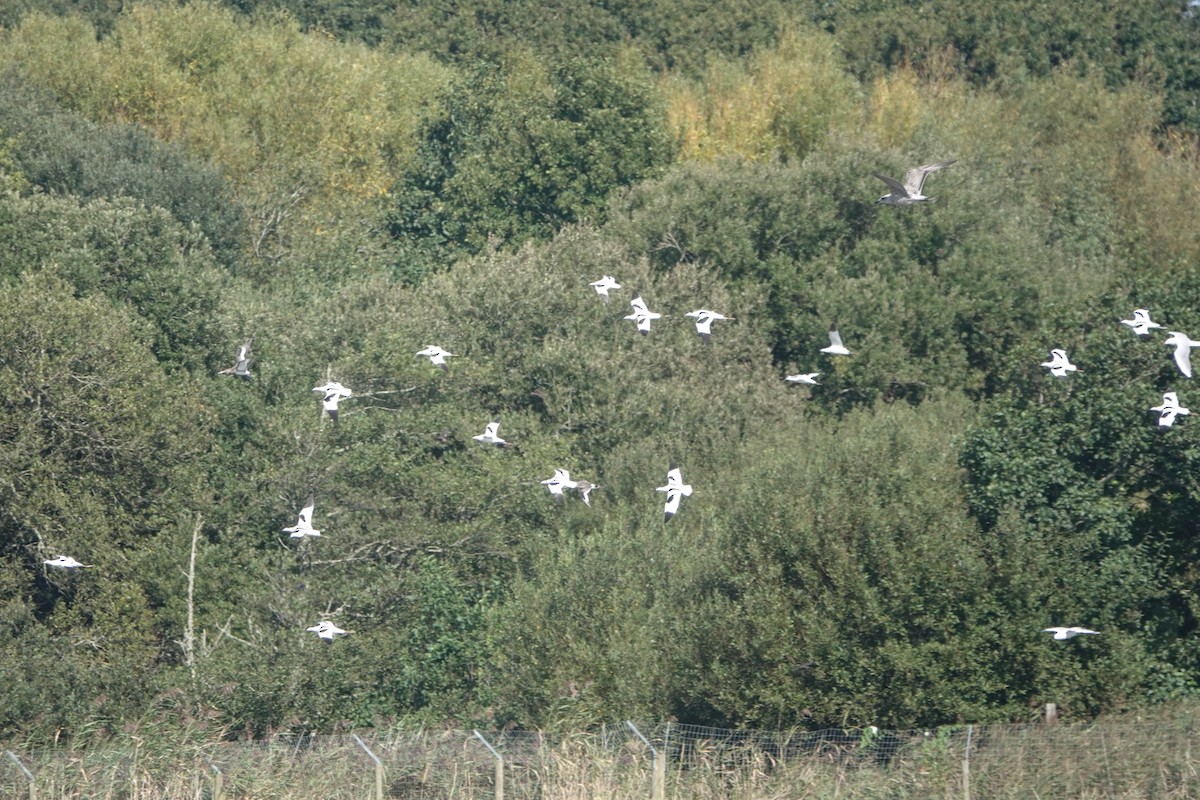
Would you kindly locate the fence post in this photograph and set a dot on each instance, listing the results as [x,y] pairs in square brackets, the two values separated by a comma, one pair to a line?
[967,766]
[378,767]
[218,779]
[658,780]
[661,767]
[28,774]
[499,765]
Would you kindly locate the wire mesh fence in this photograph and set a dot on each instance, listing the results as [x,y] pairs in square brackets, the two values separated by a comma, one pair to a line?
[1126,760]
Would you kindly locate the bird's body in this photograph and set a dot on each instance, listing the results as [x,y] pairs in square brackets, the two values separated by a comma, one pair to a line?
[835,347]
[676,490]
[585,488]
[241,364]
[330,403]
[604,286]
[704,320]
[436,355]
[491,435]
[558,483]
[1059,365]
[909,192]
[1062,633]
[332,392]
[64,562]
[1169,409]
[642,315]
[326,630]
[1141,323]
[809,378]
[303,526]
[1183,351]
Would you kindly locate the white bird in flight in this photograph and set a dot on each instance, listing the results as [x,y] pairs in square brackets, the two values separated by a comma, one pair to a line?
[333,392]
[1183,351]
[1141,322]
[491,435]
[64,562]
[835,347]
[704,320]
[241,365]
[809,378]
[436,355]
[1059,365]
[1169,409]
[676,490]
[303,526]
[604,286]
[558,482]
[1061,633]
[641,314]
[326,630]
[909,192]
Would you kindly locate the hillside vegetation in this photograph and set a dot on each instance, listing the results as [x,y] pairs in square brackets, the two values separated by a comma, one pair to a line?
[343,184]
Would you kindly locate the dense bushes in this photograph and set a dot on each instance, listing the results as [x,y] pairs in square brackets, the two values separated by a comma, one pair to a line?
[521,150]
[883,548]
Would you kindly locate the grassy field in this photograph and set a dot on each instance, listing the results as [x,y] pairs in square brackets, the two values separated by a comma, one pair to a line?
[1119,758]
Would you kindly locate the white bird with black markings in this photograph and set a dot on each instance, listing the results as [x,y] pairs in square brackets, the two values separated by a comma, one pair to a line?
[835,348]
[1141,323]
[605,285]
[1059,365]
[1064,633]
[704,320]
[809,378]
[326,630]
[642,315]
[64,562]
[332,392]
[303,526]
[558,483]
[491,435]
[909,192]
[241,365]
[1169,409]
[676,490]
[437,356]
[1183,351]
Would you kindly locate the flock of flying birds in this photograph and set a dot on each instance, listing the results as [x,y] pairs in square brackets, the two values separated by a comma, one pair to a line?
[1169,409]
[903,193]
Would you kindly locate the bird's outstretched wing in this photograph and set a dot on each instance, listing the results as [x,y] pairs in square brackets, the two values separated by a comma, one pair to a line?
[914,179]
[893,184]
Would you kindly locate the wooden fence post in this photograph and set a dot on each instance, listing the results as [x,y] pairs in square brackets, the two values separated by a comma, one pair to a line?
[658,774]
[499,765]
[27,773]
[218,784]
[378,767]
[966,766]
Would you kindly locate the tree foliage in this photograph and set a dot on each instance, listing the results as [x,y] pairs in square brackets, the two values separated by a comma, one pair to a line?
[521,150]
[343,184]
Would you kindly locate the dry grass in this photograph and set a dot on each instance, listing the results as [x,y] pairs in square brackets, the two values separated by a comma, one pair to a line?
[1130,760]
